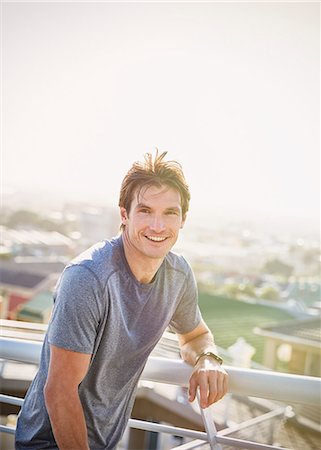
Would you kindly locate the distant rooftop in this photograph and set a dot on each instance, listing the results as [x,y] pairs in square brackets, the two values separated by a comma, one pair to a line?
[34,237]
[41,265]
[34,309]
[305,330]
[21,279]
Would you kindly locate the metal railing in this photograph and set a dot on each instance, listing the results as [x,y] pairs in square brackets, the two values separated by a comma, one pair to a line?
[255,383]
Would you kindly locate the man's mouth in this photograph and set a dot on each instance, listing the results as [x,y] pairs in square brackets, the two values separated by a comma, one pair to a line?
[156,238]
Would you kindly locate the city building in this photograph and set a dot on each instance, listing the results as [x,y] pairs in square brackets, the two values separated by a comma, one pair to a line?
[38,309]
[296,342]
[33,242]
[17,286]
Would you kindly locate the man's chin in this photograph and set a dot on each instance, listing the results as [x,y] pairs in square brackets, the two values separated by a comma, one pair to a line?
[157,253]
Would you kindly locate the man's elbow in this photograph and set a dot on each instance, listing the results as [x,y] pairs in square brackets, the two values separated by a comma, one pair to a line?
[51,395]
[56,394]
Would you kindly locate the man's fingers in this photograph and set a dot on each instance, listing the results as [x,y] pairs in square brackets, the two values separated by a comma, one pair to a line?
[220,387]
[203,385]
[225,385]
[217,387]
[213,385]
[192,389]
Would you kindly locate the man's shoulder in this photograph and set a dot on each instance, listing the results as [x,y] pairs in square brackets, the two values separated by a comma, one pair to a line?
[177,262]
[101,259]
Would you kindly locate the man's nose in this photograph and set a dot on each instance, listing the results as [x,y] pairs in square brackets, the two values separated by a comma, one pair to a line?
[157,224]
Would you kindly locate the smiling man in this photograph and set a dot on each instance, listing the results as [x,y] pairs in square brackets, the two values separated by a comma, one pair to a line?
[112,305]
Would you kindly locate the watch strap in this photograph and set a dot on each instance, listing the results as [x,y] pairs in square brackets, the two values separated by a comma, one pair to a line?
[210,355]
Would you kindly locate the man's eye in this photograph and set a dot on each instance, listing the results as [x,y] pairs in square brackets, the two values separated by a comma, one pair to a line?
[175,213]
[144,211]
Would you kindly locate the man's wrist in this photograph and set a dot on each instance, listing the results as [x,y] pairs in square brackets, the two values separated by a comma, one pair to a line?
[211,355]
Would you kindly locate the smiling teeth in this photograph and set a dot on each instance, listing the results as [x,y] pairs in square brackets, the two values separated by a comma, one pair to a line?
[156,239]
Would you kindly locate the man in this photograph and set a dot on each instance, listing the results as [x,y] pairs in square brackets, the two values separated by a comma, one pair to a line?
[112,305]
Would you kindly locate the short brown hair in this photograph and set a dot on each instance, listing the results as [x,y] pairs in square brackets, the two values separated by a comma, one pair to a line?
[155,172]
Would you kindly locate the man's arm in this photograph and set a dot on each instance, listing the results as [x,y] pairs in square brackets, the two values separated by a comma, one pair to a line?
[66,371]
[208,373]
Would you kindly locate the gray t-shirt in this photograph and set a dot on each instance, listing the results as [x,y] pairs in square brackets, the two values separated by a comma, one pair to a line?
[101,309]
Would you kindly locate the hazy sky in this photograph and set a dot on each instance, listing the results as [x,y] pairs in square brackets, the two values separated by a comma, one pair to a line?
[231,90]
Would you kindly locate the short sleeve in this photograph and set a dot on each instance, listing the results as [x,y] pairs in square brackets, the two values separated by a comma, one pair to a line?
[76,313]
[187,315]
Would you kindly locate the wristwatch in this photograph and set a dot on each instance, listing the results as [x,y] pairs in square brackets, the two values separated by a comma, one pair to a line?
[211,355]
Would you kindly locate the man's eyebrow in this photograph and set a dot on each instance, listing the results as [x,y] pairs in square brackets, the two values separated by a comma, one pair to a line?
[142,205]
[173,208]
[170,208]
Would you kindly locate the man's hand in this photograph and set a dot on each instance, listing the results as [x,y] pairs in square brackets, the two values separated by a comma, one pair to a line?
[212,380]
[208,374]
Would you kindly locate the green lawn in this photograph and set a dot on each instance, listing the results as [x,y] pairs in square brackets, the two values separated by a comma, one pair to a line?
[229,319]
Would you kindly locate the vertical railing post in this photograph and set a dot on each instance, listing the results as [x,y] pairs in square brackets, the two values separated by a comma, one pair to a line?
[209,425]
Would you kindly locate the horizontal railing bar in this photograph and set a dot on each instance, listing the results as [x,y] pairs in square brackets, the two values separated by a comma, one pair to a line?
[158,427]
[11,400]
[193,445]
[6,429]
[255,383]
[149,426]
[184,432]
[20,350]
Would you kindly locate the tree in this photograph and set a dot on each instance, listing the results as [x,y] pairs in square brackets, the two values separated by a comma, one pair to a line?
[269,293]
[277,267]
[22,217]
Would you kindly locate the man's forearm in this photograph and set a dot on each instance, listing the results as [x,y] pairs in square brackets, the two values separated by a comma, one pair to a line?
[67,420]
[208,375]
[191,350]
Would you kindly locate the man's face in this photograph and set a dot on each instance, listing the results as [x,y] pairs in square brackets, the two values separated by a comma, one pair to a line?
[153,222]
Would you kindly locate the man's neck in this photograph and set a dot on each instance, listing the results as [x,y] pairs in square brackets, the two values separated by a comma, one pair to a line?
[143,268]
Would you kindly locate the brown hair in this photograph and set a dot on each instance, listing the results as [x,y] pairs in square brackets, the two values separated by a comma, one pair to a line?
[154,173]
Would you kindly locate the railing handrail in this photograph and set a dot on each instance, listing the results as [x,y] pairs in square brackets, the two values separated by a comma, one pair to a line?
[214,441]
[255,383]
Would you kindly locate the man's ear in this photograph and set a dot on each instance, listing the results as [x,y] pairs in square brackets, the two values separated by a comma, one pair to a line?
[123,215]
[183,221]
